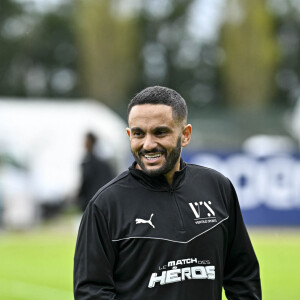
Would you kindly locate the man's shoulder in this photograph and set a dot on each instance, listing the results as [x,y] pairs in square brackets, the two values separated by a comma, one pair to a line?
[209,173]
[113,184]
[113,189]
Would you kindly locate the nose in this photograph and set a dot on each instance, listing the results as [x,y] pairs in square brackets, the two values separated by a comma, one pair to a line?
[149,142]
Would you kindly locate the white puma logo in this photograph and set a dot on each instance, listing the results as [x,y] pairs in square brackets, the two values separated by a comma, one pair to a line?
[138,221]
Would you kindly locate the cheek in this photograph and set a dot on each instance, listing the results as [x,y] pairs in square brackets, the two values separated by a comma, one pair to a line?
[134,144]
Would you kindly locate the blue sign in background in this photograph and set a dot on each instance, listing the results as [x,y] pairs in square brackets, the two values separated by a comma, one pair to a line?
[268,187]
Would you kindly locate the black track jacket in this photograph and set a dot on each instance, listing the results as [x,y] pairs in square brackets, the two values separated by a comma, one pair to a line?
[141,239]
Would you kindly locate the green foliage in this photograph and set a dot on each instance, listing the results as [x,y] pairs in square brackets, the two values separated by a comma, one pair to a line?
[51,48]
[108,51]
[10,45]
[174,57]
[95,49]
[288,35]
[251,54]
[37,53]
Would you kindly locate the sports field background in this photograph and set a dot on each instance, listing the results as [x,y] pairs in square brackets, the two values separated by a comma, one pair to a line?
[38,264]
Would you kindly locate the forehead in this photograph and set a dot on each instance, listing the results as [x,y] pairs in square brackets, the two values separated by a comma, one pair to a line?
[154,114]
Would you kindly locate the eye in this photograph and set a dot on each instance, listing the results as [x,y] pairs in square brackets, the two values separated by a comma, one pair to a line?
[161,132]
[137,133]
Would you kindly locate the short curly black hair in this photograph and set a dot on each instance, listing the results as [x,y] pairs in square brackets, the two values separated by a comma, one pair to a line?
[161,95]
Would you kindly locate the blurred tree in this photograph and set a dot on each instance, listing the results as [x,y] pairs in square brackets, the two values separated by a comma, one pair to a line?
[251,54]
[165,44]
[288,34]
[11,32]
[160,42]
[108,45]
[51,56]
[180,50]
[37,53]
[115,49]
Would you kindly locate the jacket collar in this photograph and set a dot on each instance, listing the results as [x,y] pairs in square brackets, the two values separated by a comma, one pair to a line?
[159,183]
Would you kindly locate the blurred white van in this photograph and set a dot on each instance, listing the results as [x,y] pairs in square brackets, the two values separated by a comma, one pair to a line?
[46,138]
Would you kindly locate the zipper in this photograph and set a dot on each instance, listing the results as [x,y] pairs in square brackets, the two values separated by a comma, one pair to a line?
[182,228]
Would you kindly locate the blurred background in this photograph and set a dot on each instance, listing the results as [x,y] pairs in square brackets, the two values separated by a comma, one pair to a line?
[70,67]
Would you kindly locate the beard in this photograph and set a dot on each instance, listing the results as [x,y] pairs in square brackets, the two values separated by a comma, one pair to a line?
[171,159]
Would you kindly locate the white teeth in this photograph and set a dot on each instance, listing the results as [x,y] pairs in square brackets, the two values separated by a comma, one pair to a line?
[152,156]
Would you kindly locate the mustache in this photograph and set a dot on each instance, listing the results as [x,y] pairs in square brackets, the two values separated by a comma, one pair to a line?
[155,150]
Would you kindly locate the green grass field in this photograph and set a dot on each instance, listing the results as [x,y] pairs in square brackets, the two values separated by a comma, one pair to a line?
[37,265]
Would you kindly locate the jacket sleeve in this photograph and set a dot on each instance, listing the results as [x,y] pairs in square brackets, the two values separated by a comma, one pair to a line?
[241,273]
[94,258]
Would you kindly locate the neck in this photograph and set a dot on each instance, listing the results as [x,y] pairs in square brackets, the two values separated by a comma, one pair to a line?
[170,175]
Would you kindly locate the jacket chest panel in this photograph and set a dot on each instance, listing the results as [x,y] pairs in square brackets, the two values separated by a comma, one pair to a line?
[169,215]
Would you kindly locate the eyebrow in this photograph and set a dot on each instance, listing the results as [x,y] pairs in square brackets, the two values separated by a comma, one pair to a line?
[165,128]
[136,129]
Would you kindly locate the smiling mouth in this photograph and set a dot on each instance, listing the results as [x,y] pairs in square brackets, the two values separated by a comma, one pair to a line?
[152,157]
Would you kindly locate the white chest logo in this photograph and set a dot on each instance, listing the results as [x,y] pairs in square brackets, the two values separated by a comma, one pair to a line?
[139,221]
[210,213]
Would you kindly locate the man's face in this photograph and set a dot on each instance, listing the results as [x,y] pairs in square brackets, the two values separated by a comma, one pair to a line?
[156,139]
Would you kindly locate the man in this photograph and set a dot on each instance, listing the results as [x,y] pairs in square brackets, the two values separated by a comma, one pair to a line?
[164,229]
[95,172]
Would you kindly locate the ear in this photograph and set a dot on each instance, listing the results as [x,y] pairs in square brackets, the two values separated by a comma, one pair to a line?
[186,135]
[128,131]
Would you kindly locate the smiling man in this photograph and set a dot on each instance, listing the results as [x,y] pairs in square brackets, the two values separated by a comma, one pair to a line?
[156,138]
[164,229]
